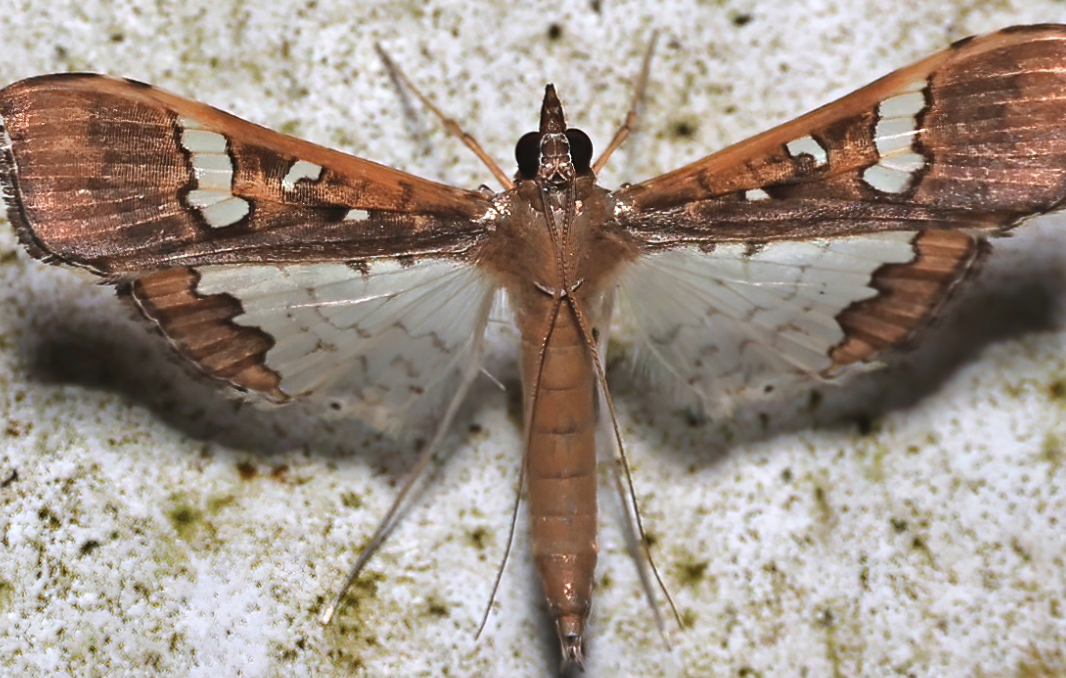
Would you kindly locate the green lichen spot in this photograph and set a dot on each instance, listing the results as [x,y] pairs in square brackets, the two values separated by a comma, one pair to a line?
[479,538]
[363,589]
[435,607]
[688,619]
[1057,390]
[351,500]
[875,471]
[821,500]
[351,619]
[919,545]
[45,515]
[247,470]
[1041,663]
[1051,452]
[7,592]
[216,504]
[683,129]
[824,618]
[185,520]
[691,574]
[1019,550]
[650,539]
[291,651]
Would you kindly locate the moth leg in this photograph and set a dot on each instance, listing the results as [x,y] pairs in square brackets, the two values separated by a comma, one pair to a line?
[506,551]
[450,125]
[393,515]
[630,122]
[638,547]
[636,535]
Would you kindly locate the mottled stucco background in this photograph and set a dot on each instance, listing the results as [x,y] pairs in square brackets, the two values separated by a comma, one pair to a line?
[911,524]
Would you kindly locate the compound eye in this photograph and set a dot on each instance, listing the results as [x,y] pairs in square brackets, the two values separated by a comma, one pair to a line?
[527,153]
[580,150]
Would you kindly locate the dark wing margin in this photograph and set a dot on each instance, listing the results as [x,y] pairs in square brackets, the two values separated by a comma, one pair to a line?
[201,328]
[909,296]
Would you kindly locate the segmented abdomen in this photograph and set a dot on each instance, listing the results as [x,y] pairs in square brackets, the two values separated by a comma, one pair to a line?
[561,473]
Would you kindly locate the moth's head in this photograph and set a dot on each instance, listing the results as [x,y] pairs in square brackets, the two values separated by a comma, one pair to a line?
[554,154]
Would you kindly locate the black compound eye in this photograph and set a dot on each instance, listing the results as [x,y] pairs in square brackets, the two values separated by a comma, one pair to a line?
[580,150]
[527,153]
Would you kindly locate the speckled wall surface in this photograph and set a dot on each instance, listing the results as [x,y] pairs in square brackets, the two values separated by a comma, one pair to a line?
[910,524]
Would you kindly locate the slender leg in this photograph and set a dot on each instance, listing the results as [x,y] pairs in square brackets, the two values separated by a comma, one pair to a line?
[506,553]
[630,122]
[449,124]
[392,517]
[636,536]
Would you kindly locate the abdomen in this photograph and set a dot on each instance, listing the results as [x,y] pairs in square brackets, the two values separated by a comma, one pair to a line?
[561,472]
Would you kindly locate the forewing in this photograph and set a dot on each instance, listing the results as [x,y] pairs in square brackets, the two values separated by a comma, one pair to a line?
[972,136]
[119,177]
[833,239]
[277,266]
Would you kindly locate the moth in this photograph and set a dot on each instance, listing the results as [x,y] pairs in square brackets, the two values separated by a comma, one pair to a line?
[289,271]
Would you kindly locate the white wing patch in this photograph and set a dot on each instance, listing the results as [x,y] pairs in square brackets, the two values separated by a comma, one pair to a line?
[894,134]
[301,169]
[808,146]
[727,322]
[213,166]
[371,340]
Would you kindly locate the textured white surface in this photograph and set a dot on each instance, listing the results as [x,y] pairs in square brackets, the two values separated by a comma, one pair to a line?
[909,525]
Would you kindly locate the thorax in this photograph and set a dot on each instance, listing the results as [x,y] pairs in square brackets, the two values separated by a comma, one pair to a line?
[556,245]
